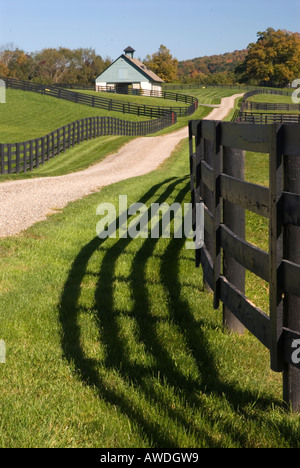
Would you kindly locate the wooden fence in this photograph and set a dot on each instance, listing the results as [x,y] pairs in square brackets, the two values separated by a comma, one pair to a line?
[270,106]
[180,111]
[267,118]
[27,155]
[217,151]
[92,100]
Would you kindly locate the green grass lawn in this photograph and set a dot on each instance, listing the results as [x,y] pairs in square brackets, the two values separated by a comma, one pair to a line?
[206,95]
[147,100]
[114,343]
[271,98]
[28,115]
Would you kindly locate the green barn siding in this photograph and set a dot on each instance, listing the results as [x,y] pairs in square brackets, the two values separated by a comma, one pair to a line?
[121,72]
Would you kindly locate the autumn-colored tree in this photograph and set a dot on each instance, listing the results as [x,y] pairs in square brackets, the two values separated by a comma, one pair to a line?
[274,60]
[216,69]
[16,63]
[62,65]
[163,64]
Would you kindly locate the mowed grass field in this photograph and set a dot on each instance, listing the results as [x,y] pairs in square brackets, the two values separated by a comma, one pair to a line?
[28,115]
[115,343]
[212,96]
[277,99]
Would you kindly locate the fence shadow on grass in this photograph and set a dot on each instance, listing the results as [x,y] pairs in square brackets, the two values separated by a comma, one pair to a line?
[135,375]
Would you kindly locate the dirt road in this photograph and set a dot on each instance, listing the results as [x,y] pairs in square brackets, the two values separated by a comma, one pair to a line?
[25,202]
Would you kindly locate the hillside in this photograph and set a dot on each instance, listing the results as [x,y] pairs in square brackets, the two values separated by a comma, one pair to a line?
[29,115]
[210,65]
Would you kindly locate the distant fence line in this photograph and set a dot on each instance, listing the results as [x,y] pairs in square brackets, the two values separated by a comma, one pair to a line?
[203,85]
[244,116]
[270,106]
[180,111]
[217,169]
[74,86]
[165,87]
[140,110]
[263,118]
[28,155]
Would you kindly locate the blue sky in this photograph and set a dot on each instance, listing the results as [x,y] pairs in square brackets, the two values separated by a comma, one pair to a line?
[189,28]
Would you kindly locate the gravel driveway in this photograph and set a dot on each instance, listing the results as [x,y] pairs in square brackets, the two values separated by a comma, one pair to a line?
[25,202]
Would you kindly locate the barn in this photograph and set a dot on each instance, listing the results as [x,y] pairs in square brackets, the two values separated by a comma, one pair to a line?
[127,74]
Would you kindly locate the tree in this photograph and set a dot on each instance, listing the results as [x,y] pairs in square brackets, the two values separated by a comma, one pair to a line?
[163,64]
[85,66]
[16,64]
[274,60]
[78,66]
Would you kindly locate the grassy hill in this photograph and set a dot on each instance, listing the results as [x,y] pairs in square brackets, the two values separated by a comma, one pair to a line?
[115,343]
[28,115]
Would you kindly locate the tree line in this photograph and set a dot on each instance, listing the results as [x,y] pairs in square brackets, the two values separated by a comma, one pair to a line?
[49,66]
[273,60]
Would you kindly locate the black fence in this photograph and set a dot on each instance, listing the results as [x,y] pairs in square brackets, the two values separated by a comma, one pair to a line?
[140,110]
[178,86]
[270,106]
[28,155]
[246,115]
[217,162]
[75,86]
[180,111]
[264,118]
[203,85]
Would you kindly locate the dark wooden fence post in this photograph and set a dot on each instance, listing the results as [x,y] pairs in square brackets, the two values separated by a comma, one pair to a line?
[291,303]
[2,158]
[208,197]
[217,212]
[9,165]
[276,245]
[234,219]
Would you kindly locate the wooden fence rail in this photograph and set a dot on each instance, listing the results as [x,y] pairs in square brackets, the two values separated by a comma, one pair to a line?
[245,116]
[28,155]
[217,151]
[270,106]
[263,118]
[92,100]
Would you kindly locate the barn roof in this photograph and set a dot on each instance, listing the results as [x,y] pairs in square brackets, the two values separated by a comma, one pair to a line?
[129,49]
[144,69]
[137,64]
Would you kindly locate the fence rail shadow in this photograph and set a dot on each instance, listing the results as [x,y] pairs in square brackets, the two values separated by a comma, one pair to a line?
[137,376]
